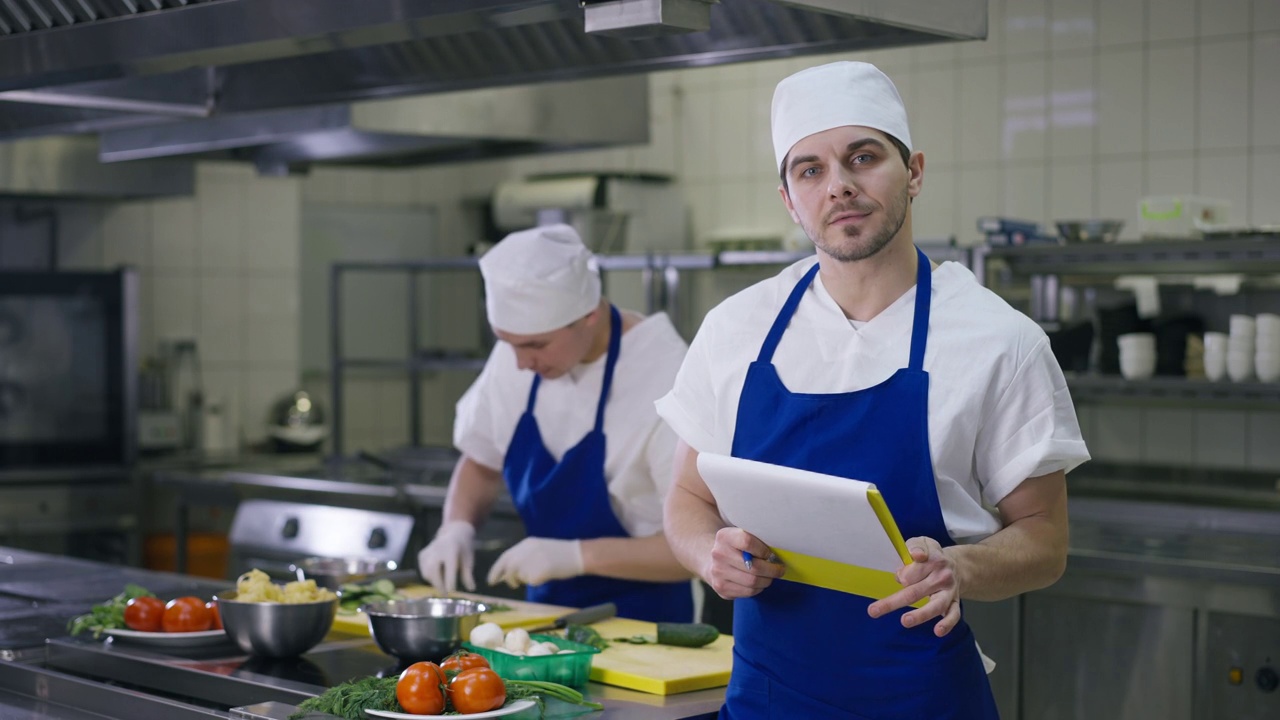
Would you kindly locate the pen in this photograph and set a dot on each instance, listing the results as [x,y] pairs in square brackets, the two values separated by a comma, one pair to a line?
[746,559]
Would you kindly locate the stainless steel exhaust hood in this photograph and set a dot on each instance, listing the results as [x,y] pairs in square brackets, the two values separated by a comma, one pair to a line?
[118,65]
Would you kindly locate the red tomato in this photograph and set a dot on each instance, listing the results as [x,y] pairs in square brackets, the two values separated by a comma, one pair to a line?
[420,689]
[477,690]
[144,613]
[186,614]
[463,660]
[212,607]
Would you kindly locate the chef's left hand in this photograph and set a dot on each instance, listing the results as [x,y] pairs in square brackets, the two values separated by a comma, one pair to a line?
[932,573]
[534,560]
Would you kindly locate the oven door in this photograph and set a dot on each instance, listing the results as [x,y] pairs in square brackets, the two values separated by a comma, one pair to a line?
[67,369]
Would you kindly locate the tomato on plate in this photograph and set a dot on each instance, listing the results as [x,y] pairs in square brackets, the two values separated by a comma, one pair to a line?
[212,607]
[186,614]
[419,690]
[477,690]
[144,614]
[463,660]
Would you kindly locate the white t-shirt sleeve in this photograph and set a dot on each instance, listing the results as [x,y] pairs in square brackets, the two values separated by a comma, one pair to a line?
[691,405]
[475,424]
[1032,429]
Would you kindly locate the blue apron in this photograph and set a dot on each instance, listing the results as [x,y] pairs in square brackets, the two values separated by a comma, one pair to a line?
[569,500]
[807,652]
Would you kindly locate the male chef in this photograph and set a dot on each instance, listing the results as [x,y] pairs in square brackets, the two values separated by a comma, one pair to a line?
[563,413]
[870,362]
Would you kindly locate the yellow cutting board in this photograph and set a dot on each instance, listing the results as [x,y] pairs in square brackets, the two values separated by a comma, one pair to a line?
[521,614]
[659,669]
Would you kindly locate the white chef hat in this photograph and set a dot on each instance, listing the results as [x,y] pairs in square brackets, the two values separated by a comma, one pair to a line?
[834,95]
[539,280]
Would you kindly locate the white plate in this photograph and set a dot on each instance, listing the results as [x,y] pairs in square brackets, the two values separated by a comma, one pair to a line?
[171,639]
[511,709]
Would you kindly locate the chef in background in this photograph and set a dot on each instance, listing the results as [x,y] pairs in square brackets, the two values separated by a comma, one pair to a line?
[563,413]
[869,362]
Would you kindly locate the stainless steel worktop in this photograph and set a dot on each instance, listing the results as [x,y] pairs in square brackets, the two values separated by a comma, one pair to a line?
[79,677]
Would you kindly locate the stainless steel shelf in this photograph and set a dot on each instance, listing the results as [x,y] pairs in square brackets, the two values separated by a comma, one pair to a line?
[1173,391]
[418,364]
[1252,254]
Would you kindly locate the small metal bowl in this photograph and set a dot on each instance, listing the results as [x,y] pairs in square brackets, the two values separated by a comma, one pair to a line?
[1089,231]
[277,630]
[332,573]
[422,628]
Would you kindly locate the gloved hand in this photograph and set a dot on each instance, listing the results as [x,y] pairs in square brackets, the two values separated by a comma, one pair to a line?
[534,560]
[453,549]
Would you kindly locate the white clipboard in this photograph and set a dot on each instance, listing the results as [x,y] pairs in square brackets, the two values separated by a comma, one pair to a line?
[829,531]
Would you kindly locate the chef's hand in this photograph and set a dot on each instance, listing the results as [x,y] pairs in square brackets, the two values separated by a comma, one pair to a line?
[727,572]
[451,550]
[534,560]
[932,573]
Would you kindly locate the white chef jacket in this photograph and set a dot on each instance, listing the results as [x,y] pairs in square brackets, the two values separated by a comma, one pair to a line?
[999,409]
[639,447]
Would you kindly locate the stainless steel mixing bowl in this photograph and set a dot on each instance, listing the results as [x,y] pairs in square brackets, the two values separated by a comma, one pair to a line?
[422,628]
[333,572]
[275,629]
[1089,231]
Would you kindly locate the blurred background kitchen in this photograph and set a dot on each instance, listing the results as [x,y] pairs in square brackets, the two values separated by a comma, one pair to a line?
[280,303]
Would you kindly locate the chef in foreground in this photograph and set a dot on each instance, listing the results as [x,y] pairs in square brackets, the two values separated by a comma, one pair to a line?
[869,362]
[563,412]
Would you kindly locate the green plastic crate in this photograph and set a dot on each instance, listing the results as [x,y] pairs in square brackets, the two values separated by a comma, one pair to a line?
[572,669]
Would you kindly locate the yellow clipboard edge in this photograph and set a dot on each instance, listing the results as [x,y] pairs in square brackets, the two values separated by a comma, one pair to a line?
[881,509]
[832,575]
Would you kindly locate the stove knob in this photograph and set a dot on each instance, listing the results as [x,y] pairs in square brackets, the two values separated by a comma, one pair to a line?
[290,529]
[377,539]
[1267,679]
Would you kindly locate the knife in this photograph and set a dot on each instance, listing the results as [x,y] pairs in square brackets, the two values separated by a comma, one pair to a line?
[585,616]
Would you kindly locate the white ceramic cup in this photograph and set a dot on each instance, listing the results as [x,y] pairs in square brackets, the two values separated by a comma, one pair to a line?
[1267,366]
[1243,326]
[1137,366]
[1239,366]
[1143,342]
[1267,325]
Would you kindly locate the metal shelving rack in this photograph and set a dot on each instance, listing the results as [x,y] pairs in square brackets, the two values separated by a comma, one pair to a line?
[1249,254]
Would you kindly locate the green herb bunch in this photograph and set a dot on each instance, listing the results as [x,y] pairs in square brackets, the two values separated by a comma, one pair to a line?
[108,615]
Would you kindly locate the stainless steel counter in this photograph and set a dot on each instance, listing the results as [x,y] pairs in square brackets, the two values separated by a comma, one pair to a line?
[84,678]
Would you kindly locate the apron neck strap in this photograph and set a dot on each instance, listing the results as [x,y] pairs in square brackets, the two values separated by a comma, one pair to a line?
[919,323]
[784,316]
[615,342]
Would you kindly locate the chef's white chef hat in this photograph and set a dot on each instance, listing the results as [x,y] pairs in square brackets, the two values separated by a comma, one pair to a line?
[833,95]
[539,280]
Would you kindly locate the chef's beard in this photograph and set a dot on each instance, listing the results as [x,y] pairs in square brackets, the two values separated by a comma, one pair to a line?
[852,249]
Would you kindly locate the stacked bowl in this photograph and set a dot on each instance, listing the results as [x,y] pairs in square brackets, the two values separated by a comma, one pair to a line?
[1137,355]
[1241,347]
[1266,360]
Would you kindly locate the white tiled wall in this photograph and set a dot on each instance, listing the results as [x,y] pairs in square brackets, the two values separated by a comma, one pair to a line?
[220,267]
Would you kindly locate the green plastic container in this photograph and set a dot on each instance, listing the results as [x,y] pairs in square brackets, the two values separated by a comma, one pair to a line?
[572,669]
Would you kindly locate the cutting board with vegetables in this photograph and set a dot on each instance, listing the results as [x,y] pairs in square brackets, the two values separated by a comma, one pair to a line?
[520,613]
[658,669]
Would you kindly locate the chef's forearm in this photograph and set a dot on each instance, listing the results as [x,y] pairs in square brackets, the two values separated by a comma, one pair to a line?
[472,491]
[632,558]
[1030,553]
[690,517]
[691,525]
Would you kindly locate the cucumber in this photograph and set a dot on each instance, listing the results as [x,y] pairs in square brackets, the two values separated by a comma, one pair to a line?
[687,634]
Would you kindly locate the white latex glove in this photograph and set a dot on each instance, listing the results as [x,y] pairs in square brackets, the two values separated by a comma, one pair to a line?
[533,561]
[452,550]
